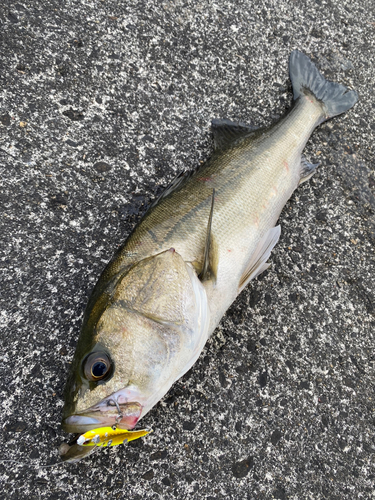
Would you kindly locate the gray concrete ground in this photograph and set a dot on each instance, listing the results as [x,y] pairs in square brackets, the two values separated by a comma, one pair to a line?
[101,104]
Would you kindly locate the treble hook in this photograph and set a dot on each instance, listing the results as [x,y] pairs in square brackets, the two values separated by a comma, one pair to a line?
[119,416]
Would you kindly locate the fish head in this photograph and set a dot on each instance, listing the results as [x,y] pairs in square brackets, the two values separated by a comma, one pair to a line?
[135,343]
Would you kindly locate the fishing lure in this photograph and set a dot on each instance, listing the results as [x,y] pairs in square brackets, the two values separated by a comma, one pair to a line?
[109,436]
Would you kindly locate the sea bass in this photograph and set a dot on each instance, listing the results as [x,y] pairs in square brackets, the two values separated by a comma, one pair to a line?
[207,236]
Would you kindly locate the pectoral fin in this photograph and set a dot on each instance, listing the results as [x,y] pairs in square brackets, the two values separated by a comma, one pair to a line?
[258,261]
[203,275]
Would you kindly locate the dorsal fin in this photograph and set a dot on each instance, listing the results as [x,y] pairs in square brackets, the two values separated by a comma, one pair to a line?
[227,133]
[173,186]
[206,261]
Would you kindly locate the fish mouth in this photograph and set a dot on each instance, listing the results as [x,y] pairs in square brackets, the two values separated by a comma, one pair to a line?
[124,416]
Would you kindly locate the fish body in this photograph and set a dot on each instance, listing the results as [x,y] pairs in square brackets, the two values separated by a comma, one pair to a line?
[200,243]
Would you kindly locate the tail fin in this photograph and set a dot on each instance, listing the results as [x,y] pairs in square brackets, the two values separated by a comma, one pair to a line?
[305,77]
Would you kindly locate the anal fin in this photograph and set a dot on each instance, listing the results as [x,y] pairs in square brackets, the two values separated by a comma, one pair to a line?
[307,170]
[258,261]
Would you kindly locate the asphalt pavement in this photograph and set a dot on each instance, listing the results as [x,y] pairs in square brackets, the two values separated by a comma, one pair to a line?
[102,103]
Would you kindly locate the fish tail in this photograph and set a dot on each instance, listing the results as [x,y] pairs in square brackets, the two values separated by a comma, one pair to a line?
[305,77]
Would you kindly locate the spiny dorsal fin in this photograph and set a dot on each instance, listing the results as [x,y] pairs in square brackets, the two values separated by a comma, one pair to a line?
[258,261]
[227,133]
[173,186]
[206,261]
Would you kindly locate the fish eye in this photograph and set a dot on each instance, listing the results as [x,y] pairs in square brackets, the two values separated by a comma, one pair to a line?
[97,365]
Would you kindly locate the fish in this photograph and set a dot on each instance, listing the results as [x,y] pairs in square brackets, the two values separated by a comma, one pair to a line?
[207,236]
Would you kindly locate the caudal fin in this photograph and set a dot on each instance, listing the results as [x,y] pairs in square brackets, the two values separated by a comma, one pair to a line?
[306,78]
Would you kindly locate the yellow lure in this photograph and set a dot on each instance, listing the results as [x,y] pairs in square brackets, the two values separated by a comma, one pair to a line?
[106,436]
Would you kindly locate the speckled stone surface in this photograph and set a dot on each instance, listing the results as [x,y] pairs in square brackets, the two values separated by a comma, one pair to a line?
[101,104]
